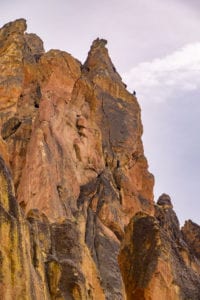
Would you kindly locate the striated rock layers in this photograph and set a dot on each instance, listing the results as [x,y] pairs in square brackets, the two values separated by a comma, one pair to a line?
[77,217]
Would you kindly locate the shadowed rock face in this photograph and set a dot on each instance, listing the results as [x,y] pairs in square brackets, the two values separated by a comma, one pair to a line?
[73,174]
[191,234]
[160,262]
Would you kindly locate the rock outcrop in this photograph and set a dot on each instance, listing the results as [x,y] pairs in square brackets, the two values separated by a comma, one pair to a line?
[191,234]
[73,177]
[155,260]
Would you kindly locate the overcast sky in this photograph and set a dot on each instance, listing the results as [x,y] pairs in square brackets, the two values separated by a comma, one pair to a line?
[155,46]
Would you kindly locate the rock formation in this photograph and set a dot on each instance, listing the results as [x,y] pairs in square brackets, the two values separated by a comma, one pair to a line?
[155,259]
[77,216]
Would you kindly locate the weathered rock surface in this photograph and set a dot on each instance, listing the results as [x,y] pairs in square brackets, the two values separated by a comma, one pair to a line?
[73,174]
[191,234]
[19,278]
[155,260]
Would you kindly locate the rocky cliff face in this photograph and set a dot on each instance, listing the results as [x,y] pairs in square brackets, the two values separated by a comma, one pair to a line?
[155,259]
[75,186]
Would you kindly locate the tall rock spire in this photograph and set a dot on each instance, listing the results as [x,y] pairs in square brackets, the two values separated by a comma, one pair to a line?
[73,176]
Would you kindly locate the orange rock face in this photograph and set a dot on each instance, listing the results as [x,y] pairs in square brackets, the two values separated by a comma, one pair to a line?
[71,145]
[160,263]
[191,233]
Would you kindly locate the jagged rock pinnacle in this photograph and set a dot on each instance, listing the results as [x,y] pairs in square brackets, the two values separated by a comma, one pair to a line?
[99,62]
[165,200]
[99,43]
[18,25]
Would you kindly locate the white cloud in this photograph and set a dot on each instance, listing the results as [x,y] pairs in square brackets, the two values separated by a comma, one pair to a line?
[162,77]
[168,90]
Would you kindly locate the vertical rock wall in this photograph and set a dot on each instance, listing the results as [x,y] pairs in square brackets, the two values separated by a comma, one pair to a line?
[73,174]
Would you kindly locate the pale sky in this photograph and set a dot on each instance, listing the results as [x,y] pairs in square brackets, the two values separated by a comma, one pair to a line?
[155,46]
